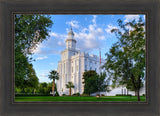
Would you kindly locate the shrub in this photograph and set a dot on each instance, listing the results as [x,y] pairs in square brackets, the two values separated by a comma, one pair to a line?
[123,95]
[102,95]
[17,90]
[31,94]
[63,94]
[84,94]
[97,95]
[57,94]
[143,95]
[28,90]
[76,94]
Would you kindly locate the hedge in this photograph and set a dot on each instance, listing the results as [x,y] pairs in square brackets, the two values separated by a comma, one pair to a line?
[123,95]
[31,94]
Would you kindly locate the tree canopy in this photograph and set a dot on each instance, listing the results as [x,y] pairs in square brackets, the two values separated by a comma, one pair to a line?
[94,82]
[90,81]
[70,85]
[30,30]
[53,75]
[102,83]
[125,61]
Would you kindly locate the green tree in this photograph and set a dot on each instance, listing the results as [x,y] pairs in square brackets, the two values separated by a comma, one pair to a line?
[70,85]
[53,75]
[21,66]
[102,83]
[90,81]
[56,92]
[29,79]
[126,58]
[49,87]
[43,88]
[28,90]
[30,30]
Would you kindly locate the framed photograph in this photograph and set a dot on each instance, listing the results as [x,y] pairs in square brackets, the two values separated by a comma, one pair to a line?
[79,58]
[80,63]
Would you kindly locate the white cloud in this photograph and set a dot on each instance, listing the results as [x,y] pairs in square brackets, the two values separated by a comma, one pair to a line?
[129,18]
[54,45]
[41,58]
[109,28]
[84,30]
[37,49]
[90,37]
[43,76]
[99,31]
[53,34]
[73,23]
[94,19]
[52,63]
[102,38]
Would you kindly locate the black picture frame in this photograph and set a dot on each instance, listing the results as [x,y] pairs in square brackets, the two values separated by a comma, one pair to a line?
[149,108]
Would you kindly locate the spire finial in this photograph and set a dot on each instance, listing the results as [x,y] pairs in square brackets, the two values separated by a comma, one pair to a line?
[71,31]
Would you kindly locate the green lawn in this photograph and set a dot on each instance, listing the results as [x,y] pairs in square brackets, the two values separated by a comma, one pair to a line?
[75,98]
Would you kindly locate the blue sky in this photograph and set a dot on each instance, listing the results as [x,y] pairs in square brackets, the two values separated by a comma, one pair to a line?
[91,32]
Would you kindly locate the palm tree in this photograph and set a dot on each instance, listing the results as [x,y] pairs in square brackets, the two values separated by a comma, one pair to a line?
[53,75]
[69,85]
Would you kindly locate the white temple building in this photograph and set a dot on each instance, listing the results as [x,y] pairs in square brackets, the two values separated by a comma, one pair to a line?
[73,64]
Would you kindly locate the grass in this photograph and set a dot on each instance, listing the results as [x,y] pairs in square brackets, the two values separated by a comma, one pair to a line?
[76,98]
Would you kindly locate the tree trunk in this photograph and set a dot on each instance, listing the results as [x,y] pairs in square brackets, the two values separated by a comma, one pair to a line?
[137,94]
[34,91]
[53,87]
[138,97]
[70,91]
[139,83]
[22,91]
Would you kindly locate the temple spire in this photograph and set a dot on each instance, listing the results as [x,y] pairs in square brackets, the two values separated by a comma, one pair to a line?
[71,32]
[70,41]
